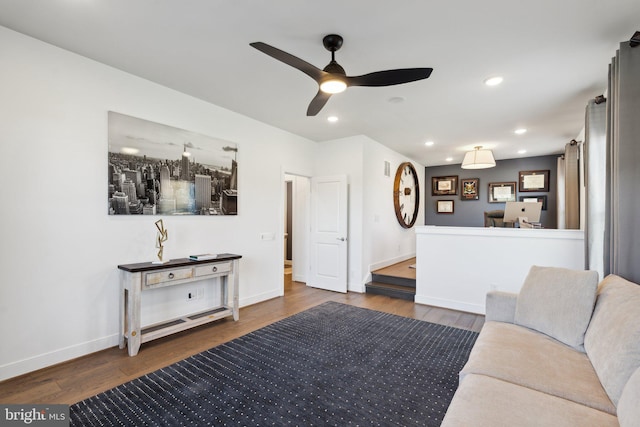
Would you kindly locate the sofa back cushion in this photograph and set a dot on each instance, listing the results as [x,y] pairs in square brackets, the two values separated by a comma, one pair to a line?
[558,302]
[612,340]
[628,407]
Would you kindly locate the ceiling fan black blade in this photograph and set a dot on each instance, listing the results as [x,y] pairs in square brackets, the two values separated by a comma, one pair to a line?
[317,103]
[390,77]
[312,71]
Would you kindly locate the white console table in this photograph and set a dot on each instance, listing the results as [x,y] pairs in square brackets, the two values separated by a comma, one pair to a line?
[146,276]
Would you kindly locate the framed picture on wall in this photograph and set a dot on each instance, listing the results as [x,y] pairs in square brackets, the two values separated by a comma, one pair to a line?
[157,169]
[533,181]
[444,206]
[500,192]
[469,189]
[444,185]
[542,199]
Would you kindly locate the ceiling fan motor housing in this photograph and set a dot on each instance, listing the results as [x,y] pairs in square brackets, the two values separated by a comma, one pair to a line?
[332,42]
[334,68]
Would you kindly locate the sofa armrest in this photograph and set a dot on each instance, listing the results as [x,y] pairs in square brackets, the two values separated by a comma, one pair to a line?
[501,306]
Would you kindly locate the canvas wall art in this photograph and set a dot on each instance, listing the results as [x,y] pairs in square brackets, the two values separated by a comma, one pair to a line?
[155,169]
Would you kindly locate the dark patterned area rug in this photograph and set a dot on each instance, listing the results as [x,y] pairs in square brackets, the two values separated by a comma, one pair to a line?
[333,364]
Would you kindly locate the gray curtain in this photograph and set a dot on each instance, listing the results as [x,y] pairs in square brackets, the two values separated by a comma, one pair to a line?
[595,149]
[572,186]
[560,199]
[621,227]
[624,165]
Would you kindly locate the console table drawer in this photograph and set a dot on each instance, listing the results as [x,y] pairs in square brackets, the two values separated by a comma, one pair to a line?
[207,270]
[151,279]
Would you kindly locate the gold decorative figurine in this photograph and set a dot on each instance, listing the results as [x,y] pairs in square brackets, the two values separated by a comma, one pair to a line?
[163,236]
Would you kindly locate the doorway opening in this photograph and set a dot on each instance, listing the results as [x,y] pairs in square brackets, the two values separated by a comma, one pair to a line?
[296,191]
[288,234]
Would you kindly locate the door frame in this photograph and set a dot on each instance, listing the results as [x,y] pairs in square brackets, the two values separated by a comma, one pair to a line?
[301,226]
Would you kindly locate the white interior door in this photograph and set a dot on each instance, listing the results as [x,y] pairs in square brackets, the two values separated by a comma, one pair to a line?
[329,233]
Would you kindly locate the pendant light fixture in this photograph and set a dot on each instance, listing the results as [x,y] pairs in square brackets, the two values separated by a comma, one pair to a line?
[478,159]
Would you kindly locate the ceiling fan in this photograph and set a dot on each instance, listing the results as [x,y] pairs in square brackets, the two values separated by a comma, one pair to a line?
[333,79]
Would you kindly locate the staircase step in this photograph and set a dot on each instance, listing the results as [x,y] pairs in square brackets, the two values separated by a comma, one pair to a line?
[391,290]
[394,280]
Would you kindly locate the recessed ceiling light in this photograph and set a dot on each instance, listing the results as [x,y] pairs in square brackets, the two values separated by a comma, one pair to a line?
[493,81]
[332,119]
[520,131]
[429,143]
[396,100]
[522,151]
[449,159]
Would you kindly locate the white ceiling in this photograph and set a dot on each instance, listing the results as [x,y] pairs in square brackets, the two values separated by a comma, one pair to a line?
[553,55]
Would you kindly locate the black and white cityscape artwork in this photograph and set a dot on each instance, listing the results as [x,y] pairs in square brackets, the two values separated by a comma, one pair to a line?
[155,169]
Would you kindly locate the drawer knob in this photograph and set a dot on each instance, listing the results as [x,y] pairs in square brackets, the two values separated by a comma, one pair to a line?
[171,276]
[214,269]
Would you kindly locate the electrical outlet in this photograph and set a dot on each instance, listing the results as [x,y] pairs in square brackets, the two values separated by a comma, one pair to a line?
[194,294]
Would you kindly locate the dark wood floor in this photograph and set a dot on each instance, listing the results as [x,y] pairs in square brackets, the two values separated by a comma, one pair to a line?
[78,379]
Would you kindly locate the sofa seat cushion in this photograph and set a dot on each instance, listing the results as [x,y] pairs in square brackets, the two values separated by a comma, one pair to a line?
[525,357]
[558,302]
[483,401]
[612,340]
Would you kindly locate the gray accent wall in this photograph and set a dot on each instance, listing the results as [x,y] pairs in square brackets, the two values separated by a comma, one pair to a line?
[470,213]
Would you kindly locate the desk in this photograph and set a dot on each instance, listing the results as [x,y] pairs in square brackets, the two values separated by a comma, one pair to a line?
[146,276]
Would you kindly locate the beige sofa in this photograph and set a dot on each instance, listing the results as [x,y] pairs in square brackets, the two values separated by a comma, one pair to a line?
[547,357]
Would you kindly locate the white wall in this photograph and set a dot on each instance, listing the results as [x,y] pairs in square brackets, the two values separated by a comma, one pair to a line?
[385,242]
[60,249]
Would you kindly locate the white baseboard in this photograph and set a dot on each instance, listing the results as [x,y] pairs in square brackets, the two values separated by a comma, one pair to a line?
[388,262]
[450,304]
[54,357]
[358,287]
[260,297]
[20,367]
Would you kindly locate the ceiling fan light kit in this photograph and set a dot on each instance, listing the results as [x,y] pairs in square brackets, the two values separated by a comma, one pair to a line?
[478,159]
[333,79]
[333,86]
